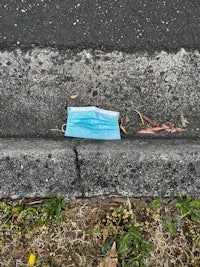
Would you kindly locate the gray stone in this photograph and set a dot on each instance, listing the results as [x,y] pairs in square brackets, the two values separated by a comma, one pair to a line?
[140,168]
[38,168]
[36,86]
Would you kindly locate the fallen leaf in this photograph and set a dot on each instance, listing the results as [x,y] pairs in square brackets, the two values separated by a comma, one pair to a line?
[98,51]
[184,121]
[119,200]
[154,130]
[129,125]
[168,125]
[141,117]
[113,252]
[125,128]
[149,130]
[41,250]
[158,128]
[153,123]
[122,127]
[105,234]
[74,96]
[56,130]
[173,130]
[33,201]
[111,260]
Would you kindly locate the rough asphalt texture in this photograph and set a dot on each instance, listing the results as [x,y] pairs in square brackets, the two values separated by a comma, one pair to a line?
[115,24]
[36,87]
[87,168]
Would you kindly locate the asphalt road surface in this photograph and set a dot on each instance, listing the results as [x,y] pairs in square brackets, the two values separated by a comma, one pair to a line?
[125,25]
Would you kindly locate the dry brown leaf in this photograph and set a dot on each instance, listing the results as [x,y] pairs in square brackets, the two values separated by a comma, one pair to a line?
[146,131]
[168,125]
[74,96]
[105,234]
[111,260]
[184,121]
[113,252]
[159,128]
[98,51]
[119,200]
[41,250]
[154,130]
[122,127]
[129,125]
[33,201]
[56,130]
[149,130]
[153,123]
[174,130]
[140,115]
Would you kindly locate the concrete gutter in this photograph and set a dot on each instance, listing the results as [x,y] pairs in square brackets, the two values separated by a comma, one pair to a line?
[36,86]
[68,167]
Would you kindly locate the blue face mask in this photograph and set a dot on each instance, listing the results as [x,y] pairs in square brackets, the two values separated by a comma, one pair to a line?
[92,123]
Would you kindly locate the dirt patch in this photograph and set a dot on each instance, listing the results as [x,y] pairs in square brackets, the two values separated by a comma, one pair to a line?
[80,232]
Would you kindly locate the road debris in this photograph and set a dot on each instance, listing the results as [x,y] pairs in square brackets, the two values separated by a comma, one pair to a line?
[184,121]
[74,96]
[153,127]
[111,260]
[92,123]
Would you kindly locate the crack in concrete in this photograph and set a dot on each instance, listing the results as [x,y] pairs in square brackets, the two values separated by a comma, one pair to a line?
[78,171]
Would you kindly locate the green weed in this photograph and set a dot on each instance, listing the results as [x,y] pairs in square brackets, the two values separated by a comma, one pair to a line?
[170,225]
[155,203]
[22,218]
[189,207]
[54,210]
[117,221]
[133,247]
[19,217]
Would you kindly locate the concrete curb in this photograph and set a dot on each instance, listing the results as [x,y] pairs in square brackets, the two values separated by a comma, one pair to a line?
[69,167]
[37,167]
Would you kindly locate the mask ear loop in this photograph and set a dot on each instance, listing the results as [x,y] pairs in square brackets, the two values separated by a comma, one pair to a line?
[62,129]
[64,125]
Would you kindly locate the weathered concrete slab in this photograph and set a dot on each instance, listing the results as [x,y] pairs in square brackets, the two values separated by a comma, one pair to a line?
[140,168]
[114,24]
[36,85]
[31,167]
[69,167]
[37,168]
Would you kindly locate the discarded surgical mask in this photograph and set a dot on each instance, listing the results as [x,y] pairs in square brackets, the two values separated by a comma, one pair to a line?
[92,123]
